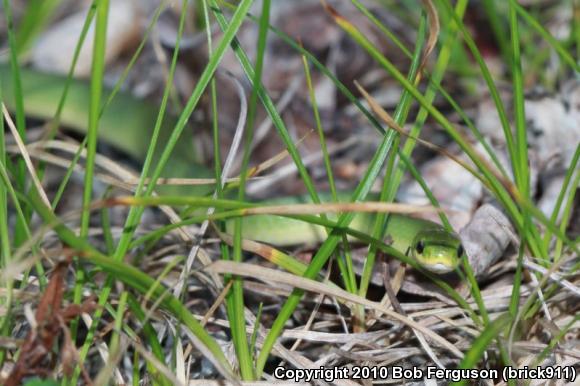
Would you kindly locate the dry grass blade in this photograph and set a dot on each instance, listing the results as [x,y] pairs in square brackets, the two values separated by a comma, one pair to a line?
[250,270]
[434,29]
[504,181]
[25,155]
[272,161]
[537,290]
[285,171]
[161,367]
[555,277]
[117,175]
[389,121]
[218,302]
[270,254]
[238,135]
[129,179]
[362,207]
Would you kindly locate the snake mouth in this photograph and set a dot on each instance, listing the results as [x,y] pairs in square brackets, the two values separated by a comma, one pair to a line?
[439,268]
[438,259]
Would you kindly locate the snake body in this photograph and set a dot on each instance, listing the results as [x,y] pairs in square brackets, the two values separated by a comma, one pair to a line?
[126,123]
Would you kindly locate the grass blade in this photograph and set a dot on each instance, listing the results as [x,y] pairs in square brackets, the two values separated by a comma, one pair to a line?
[481,343]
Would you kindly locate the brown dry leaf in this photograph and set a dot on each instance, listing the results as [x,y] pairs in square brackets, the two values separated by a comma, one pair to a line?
[36,354]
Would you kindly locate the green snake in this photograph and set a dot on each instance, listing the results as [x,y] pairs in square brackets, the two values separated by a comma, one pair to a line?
[124,124]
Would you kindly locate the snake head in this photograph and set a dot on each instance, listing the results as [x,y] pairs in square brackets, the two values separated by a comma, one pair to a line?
[437,250]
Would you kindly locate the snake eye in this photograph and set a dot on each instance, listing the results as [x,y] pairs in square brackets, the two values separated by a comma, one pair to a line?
[460,250]
[420,247]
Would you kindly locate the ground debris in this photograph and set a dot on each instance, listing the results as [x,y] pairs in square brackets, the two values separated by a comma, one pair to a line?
[37,355]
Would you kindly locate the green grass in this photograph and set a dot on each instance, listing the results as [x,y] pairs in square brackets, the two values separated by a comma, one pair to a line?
[143,297]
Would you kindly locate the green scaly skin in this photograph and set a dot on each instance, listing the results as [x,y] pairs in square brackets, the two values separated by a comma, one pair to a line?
[127,123]
[428,243]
